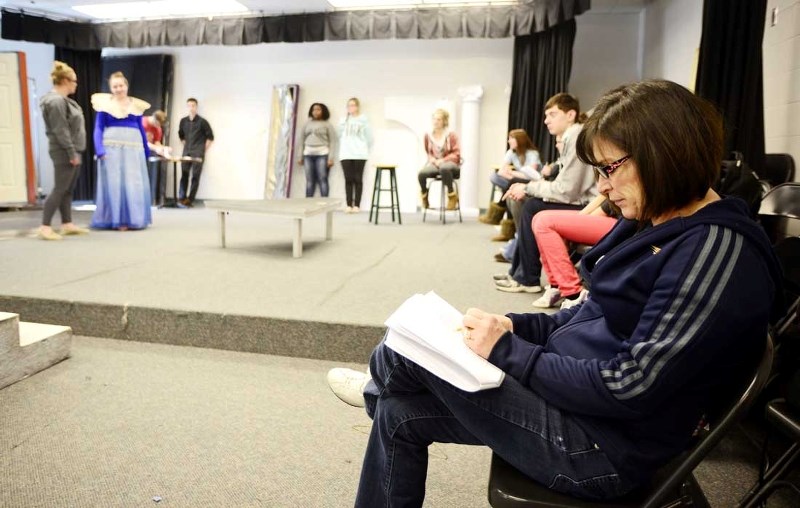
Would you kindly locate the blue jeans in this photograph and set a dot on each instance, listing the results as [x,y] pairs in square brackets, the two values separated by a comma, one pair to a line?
[411,408]
[316,167]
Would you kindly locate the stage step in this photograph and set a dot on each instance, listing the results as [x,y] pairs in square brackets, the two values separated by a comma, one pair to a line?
[27,348]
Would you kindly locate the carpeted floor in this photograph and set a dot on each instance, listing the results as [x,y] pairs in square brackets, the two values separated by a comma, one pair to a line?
[125,422]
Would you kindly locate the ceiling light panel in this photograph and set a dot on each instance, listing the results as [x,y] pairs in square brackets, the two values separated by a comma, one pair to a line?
[161,9]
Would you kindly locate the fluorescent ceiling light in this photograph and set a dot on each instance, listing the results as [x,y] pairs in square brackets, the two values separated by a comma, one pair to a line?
[363,4]
[162,9]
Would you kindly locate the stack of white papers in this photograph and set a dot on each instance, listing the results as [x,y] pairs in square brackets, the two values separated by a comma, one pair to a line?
[428,331]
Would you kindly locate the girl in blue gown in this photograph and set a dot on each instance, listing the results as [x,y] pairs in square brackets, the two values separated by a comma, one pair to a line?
[123,186]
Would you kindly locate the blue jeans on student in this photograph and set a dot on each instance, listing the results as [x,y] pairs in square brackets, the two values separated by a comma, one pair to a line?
[316,167]
[412,408]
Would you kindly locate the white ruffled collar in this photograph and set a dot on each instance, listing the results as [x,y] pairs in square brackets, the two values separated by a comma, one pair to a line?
[105,102]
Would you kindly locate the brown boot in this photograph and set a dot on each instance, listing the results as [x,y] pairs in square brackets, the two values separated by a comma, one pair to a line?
[493,215]
[425,204]
[452,200]
[507,230]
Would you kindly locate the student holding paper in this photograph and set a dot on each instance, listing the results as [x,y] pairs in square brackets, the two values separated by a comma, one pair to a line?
[597,397]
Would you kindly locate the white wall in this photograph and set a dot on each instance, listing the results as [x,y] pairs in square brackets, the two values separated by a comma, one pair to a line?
[782,80]
[39,59]
[672,31]
[605,55]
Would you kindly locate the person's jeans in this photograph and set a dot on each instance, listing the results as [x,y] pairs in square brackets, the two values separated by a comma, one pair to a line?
[526,268]
[60,198]
[191,170]
[448,170]
[412,408]
[316,167]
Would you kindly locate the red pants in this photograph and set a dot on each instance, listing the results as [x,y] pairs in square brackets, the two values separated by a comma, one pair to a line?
[552,228]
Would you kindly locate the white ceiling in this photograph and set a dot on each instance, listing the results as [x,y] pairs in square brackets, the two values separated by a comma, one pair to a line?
[62,8]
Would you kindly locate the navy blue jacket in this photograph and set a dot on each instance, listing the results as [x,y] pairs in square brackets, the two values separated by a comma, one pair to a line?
[678,314]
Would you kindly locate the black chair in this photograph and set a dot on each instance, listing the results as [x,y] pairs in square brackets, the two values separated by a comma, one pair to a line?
[781,415]
[785,418]
[443,200]
[780,203]
[778,169]
[673,485]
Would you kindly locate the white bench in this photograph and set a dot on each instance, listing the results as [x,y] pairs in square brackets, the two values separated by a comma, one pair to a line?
[296,209]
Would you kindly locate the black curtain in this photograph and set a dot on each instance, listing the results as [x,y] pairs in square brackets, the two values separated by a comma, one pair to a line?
[87,68]
[729,72]
[542,65]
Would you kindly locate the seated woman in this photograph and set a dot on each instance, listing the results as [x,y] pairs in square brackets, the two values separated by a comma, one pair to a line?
[521,164]
[444,158]
[552,228]
[599,396]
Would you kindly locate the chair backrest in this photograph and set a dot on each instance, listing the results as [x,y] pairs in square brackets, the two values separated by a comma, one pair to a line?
[782,201]
[778,168]
[682,466]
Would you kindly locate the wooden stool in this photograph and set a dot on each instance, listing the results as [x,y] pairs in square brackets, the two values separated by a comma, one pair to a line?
[376,207]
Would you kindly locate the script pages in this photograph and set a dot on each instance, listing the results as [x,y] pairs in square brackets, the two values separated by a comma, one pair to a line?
[427,330]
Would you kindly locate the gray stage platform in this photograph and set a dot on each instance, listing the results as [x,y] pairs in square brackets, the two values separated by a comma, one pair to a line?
[173,283]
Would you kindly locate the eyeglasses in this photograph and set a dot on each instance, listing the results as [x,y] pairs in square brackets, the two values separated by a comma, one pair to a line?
[605,171]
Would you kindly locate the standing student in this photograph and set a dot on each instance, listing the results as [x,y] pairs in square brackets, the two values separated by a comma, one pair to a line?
[318,146]
[66,135]
[196,135]
[355,143]
[123,186]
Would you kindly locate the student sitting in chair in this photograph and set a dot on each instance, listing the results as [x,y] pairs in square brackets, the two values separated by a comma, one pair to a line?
[444,158]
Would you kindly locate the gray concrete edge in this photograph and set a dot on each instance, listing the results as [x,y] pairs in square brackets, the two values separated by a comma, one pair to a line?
[252,334]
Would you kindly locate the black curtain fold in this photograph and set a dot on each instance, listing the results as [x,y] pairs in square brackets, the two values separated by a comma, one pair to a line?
[542,66]
[730,73]
[87,66]
[429,23]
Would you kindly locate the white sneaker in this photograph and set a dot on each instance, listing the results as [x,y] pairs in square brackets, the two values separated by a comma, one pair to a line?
[550,298]
[511,286]
[500,276]
[348,385]
[356,209]
[568,304]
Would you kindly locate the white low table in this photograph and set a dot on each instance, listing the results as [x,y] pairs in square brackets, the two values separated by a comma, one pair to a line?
[296,209]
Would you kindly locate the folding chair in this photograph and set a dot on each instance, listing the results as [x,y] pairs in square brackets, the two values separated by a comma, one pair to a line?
[673,485]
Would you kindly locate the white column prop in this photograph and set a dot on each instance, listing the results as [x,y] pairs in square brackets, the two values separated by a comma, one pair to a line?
[470,147]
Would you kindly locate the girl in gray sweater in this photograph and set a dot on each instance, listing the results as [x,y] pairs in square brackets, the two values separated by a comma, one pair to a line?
[318,146]
[66,135]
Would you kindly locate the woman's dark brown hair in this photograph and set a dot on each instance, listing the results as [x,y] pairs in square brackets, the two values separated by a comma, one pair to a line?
[524,143]
[674,137]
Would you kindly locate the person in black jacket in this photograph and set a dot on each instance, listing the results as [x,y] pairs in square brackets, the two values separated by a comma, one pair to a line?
[196,135]
[598,397]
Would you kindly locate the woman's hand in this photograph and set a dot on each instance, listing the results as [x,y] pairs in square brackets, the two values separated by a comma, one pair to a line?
[300,162]
[330,163]
[483,330]
[516,192]
[506,173]
[547,169]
